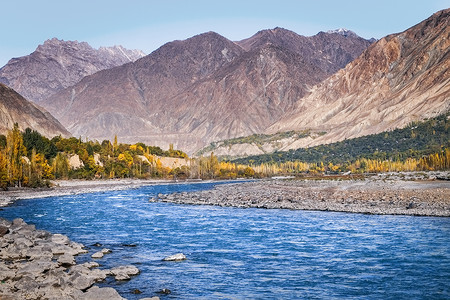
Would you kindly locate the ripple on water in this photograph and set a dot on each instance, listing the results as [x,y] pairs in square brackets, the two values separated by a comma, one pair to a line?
[250,253]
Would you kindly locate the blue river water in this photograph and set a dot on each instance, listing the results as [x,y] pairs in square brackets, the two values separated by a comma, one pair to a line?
[250,253]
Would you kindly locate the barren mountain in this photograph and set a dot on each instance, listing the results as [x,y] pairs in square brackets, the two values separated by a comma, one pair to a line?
[16,109]
[192,92]
[58,64]
[329,51]
[401,78]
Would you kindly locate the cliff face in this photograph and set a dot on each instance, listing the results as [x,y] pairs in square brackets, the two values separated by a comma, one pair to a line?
[401,78]
[58,64]
[16,109]
[195,91]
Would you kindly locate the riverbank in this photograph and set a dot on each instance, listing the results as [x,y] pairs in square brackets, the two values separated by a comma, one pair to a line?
[72,187]
[35,264]
[384,194]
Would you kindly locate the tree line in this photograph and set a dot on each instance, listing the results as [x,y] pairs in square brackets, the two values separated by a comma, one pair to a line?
[29,159]
[419,146]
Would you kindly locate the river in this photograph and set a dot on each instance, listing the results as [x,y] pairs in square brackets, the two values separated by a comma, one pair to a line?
[250,253]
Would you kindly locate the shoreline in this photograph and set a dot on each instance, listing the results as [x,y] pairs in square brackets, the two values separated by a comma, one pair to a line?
[408,193]
[373,195]
[74,187]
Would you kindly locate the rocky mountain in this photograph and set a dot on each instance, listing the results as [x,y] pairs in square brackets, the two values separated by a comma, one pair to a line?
[16,109]
[58,64]
[401,78]
[192,92]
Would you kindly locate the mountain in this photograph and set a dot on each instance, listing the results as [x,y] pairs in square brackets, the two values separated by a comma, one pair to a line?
[207,87]
[399,79]
[58,64]
[329,51]
[16,109]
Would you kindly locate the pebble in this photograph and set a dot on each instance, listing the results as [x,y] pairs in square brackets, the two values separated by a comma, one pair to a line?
[369,196]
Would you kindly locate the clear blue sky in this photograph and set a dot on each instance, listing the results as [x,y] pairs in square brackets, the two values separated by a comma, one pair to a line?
[148,24]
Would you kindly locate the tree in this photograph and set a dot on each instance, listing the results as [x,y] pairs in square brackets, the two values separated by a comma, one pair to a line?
[15,151]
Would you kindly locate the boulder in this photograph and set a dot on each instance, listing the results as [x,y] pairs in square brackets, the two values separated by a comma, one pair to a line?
[66,260]
[98,254]
[96,293]
[60,239]
[3,230]
[175,257]
[81,281]
[124,272]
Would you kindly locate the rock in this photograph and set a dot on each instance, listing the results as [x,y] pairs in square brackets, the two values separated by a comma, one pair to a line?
[81,281]
[6,273]
[97,255]
[3,230]
[36,268]
[411,205]
[152,298]
[136,292]
[60,239]
[175,257]
[105,251]
[66,260]
[96,293]
[165,291]
[124,272]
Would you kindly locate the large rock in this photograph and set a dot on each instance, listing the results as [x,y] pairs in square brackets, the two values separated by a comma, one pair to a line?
[124,272]
[175,257]
[96,293]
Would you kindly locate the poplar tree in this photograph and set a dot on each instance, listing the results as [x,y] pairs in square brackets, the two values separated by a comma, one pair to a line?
[15,151]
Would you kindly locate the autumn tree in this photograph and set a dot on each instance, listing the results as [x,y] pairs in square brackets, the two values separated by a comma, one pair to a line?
[15,151]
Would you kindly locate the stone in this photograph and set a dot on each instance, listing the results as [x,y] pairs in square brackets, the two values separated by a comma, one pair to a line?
[175,257]
[60,239]
[66,260]
[124,272]
[165,291]
[81,281]
[3,230]
[105,251]
[97,255]
[96,293]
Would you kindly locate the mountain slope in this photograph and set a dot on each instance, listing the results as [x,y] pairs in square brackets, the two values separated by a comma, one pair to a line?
[16,109]
[59,64]
[401,78]
[194,91]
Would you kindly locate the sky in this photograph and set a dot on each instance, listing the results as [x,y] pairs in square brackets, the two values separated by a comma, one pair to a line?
[148,24]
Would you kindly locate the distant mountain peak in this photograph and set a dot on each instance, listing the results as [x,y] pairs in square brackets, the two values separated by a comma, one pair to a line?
[343,31]
[57,64]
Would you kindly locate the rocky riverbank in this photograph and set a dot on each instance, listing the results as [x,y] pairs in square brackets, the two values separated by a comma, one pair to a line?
[35,264]
[380,194]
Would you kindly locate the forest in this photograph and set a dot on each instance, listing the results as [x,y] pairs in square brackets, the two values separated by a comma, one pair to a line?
[419,146]
[31,160]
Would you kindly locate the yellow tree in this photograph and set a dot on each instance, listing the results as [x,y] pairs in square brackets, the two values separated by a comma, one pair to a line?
[15,151]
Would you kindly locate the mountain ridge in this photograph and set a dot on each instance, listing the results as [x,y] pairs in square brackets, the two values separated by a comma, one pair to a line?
[141,101]
[401,78]
[16,109]
[57,64]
